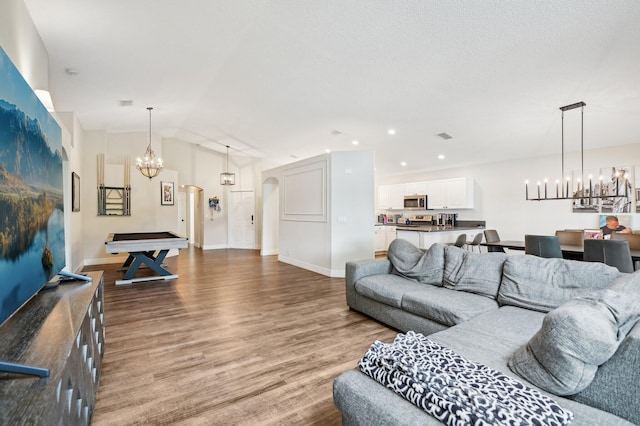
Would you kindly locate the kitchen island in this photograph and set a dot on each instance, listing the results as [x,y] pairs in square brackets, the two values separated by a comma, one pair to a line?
[424,236]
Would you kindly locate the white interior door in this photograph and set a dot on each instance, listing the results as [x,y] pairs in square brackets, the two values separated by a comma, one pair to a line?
[242,230]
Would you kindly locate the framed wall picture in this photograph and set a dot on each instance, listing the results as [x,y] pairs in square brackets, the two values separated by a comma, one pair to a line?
[75,192]
[166,193]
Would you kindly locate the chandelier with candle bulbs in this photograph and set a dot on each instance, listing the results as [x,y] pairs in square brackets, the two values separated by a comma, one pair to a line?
[149,166]
[544,191]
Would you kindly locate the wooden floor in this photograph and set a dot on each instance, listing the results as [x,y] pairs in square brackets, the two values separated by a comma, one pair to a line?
[237,339]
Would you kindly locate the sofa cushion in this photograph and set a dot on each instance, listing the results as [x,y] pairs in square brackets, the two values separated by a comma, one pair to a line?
[544,284]
[386,288]
[564,355]
[446,306]
[411,262]
[472,272]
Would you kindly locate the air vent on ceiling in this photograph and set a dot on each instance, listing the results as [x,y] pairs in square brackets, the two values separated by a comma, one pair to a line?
[445,136]
[125,103]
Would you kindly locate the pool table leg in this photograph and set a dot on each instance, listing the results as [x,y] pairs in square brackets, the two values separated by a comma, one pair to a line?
[137,258]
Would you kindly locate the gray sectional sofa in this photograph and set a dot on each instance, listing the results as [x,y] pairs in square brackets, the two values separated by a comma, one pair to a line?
[567,328]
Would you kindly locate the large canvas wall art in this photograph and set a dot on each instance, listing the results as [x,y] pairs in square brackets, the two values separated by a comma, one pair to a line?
[31,192]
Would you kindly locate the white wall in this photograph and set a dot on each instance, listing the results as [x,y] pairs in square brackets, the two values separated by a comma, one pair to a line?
[500,192]
[270,219]
[352,205]
[324,241]
[73,142]
[22,43]
[147,214]
[202,167]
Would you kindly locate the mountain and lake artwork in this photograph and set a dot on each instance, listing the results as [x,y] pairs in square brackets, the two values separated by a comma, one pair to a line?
[32,248]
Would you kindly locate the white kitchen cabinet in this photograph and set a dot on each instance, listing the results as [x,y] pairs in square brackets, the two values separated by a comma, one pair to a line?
[390,234]
[415,188]
[383,237]
[391,197]
[455,193]
[379,240]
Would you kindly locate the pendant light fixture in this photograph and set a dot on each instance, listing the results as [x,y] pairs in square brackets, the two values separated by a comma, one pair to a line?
[586,190]
[150,166]
[227,178]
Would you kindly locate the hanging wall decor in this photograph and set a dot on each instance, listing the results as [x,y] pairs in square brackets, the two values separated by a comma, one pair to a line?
[214,206]
[166,193]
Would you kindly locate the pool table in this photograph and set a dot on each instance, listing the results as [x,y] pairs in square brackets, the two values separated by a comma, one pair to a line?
[149,248]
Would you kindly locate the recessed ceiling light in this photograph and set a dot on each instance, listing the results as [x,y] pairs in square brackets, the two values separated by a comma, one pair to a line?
[445,136]
[355,142]
[336,132]
[327,150]
[441,157]
[404,163]
[391,131]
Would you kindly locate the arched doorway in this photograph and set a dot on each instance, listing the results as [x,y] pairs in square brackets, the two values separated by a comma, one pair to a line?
[270,217]
[191,214]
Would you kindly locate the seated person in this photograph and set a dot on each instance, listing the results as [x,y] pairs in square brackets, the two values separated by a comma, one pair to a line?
[612,225]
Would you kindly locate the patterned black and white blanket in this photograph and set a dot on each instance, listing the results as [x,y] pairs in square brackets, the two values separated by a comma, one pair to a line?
[455,390]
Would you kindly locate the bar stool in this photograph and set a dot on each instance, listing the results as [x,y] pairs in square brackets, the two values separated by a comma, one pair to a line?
[474,243]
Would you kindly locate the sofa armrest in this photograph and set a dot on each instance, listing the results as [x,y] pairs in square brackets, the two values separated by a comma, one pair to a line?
[616,385]
[363,268]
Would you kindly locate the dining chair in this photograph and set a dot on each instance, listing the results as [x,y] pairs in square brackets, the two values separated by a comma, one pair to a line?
[542,246]
[475,242]
[634,239]
[491,236]
[634,244]
[570,238]
[612,252]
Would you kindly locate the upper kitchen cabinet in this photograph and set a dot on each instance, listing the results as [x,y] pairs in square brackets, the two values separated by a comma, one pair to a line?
[456,193]
[415,188]
[391,197]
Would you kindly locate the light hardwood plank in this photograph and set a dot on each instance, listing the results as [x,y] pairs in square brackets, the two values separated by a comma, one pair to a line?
[237,339]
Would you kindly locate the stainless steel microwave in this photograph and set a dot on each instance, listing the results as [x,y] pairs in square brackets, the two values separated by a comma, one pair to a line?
[415,202]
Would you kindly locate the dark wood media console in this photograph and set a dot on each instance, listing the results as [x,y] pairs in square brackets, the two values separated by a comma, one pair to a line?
[62,330]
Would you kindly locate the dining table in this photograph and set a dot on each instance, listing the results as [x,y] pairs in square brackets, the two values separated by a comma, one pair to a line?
[568,251]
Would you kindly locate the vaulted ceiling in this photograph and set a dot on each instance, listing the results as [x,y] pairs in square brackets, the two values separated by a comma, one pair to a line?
[288,79]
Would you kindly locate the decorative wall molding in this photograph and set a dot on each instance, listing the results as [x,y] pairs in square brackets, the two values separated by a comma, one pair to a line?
[304,192]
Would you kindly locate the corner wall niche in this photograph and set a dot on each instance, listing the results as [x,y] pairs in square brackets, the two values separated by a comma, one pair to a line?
[114,200]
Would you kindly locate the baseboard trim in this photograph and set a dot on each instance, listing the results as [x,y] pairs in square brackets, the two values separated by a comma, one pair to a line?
[215,247]
[311,267]
[105,260]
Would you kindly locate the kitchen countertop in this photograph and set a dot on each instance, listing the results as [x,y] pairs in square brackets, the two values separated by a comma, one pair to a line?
[429,228]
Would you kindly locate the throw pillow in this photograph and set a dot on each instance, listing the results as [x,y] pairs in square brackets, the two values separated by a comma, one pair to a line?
[541,284]
[564,355]
[473,272]
[413,263]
